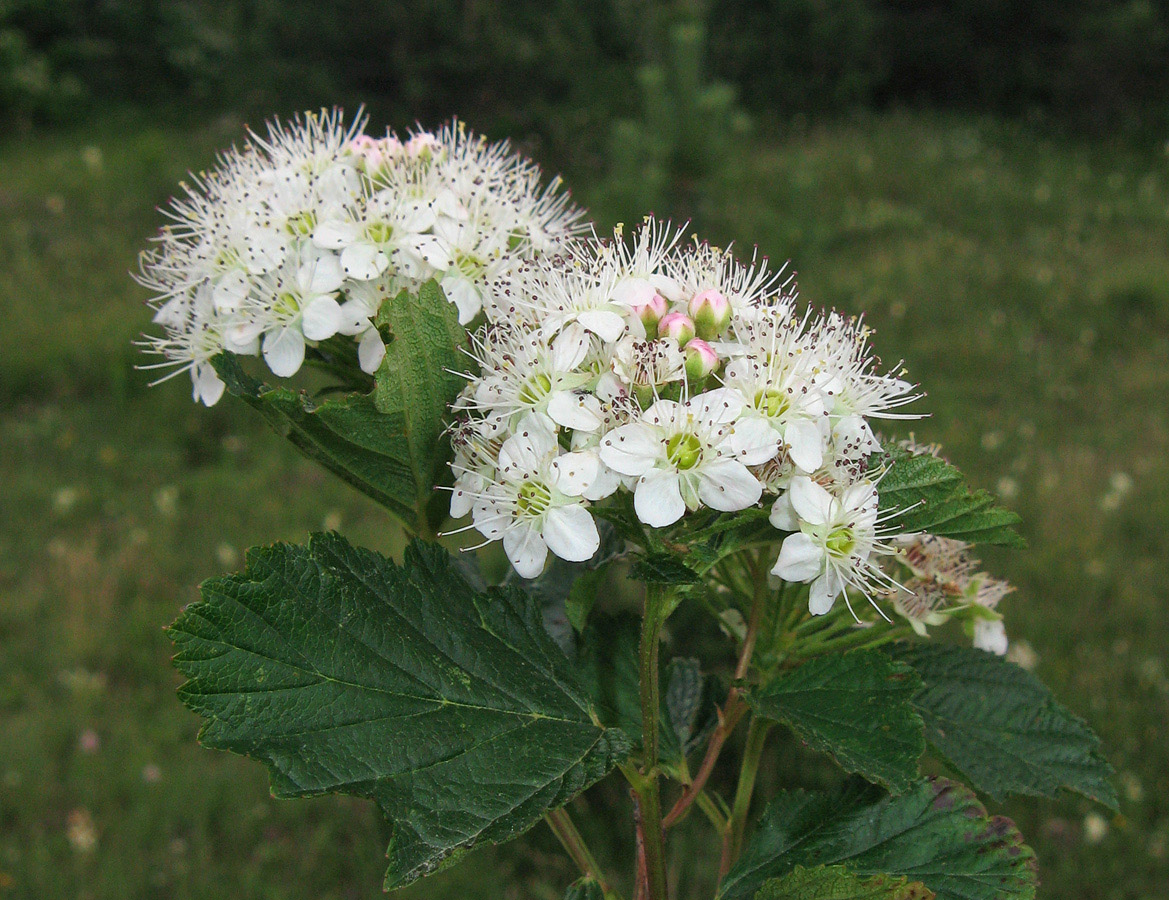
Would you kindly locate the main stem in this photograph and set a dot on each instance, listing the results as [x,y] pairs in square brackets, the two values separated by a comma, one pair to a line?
[649,790]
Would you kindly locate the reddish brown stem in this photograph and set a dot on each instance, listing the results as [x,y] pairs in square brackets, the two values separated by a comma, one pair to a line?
[730,716]
[641,877]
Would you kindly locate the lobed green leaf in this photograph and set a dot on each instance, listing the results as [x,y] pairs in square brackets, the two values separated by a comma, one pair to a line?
[346,673]
[938,834]
[1000,726]
[585,889]
[856,707]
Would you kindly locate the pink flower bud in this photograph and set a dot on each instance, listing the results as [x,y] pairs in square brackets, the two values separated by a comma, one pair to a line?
[422,144]
[701,359]
[678,326]
[711,312]
[651,312]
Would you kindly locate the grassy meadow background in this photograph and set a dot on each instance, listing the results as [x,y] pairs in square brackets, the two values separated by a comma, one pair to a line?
[1022,273]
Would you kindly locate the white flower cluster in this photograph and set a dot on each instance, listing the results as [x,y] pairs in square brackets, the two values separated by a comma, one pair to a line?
[298,237]
[672,371]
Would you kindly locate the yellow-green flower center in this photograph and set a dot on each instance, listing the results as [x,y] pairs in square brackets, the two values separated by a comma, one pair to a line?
[841,541]
[379,232]
[534,498]
[302,223]
[772,403]
[684,451]
[287,303]
[535,390]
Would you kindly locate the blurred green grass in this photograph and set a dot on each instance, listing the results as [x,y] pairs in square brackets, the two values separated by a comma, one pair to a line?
[1025,282]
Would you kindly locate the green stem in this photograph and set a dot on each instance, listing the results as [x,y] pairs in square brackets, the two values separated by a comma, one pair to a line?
[752,753]
[574,844]
[657,608]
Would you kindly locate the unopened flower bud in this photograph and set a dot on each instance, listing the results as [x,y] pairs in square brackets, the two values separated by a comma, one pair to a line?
[651,312]
[711,312]
[701,359]
[678,326]
[422,144]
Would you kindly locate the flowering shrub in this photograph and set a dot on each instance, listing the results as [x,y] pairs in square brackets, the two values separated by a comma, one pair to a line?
[642,403]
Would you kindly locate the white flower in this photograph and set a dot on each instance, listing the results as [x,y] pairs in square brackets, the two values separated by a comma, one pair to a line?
[832,542]
[776,382]
[692,453]
[535,503]
[303,307]
[991,635]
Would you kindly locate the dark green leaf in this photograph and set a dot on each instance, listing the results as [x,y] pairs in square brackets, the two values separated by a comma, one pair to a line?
[1000,726]
[606,663]
[662,568]
[346,673]
[347,435]
[691,700]
[837,883]
[388,444]
[855,706]
[938,834]
[416,382]
[567,590]
[585,889]
[933,497]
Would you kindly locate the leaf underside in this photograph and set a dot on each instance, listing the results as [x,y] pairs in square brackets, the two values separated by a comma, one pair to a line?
[1000,726]
[346,673]
[938,834]
[933,497]
[838,883]
[856,707]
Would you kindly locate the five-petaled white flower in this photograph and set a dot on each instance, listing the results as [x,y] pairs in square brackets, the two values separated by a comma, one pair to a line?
[833,540]
[692,453]
[535,503]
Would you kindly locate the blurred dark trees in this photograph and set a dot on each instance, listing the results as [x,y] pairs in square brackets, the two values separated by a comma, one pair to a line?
[565,68]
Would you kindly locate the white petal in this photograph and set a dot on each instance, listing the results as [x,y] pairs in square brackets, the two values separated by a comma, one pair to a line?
[633,292]
[811,502]
[526,550]
[355,316]
[371,351]
[783,516]
[823,594]
[718,407]
[573,473]
[571,533]
[632,449]
[284,351]
[805,444]
[416,217]
[606,324]
[572,411]
[800,559]
[322,275]
[208,388]
[989,636]
[658,498]
[230,291]
[606,482]
[321,318]
[754,441]
[264,250]
[464,295]
[569,348]
[364,261]
[727,485]
[335,235]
